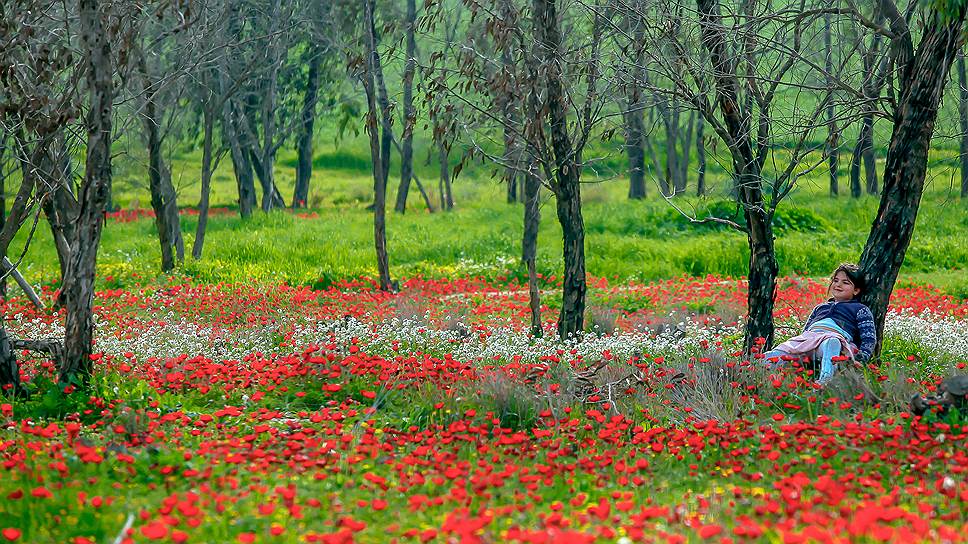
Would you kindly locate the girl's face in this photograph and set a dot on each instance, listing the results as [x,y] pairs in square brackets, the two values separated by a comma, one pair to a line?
[841,288]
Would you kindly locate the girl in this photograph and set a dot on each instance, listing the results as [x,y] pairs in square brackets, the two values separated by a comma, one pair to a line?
[842,325]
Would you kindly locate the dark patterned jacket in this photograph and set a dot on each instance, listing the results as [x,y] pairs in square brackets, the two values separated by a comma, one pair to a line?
[855,318]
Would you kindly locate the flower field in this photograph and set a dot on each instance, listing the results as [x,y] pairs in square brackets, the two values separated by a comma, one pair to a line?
[272,413]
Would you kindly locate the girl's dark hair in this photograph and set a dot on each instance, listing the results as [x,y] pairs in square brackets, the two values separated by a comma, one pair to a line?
[852,271]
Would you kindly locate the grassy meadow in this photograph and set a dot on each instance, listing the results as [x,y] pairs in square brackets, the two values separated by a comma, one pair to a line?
[628,240]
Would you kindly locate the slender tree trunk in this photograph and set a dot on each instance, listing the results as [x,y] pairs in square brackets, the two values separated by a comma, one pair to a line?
[271,197]
[163,199]
[78,288]
[233,119]
[376,148]
[683,177]
[446,194]
[304,164]
[669,180]
[833,133]
[921,86]
[203,203]
[963,119]
[59,205]
[529,246]
[700,157]
[567,172]
[409,113]
[763,266]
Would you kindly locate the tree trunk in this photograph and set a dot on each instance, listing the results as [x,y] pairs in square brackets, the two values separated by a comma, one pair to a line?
[304,164]
[963,119]
[683,177]
[59,204]
[921,86]
[634,146]
[203,202]
[668,181]
[271,197]
[700,157]
[163,199]
[78,288]
[6,151]
[409,113]
[763,266]
[529,246]
[567,172]
[233,118]
[372,65]
[9,369]
[833,133]
[446,194]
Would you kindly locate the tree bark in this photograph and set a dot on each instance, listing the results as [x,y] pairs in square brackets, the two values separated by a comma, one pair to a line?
[271,197]
[634,146]
[203,203]
[304,163]
[921,84]
[567,171]
[78,288]
[529,246]
[446,194]
[377,147]
[763,267]
[700,157]
[963,120]
[233,117]
[409,113]
[163,199]
[833,132]
[9,369]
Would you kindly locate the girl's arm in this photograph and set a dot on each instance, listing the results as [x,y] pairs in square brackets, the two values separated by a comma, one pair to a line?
[868,334]
[812,318]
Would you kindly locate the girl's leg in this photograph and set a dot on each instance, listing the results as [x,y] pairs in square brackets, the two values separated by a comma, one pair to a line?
[774,358]
[829,349]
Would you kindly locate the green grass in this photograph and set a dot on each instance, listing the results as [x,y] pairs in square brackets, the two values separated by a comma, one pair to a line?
[643,240]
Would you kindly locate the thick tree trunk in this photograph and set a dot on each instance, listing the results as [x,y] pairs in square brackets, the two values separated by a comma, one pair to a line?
[963,119]
[377,148]
[304,163]
[163,199]
[635,148]
[409,113]
[203,203]
[762,280]
[571,319]
[9,369]
[529,246]
[78,288]
[921,86]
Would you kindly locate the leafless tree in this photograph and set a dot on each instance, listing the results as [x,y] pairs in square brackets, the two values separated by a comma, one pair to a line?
[745,56]
[920,75]
[555,50]
[380,136]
